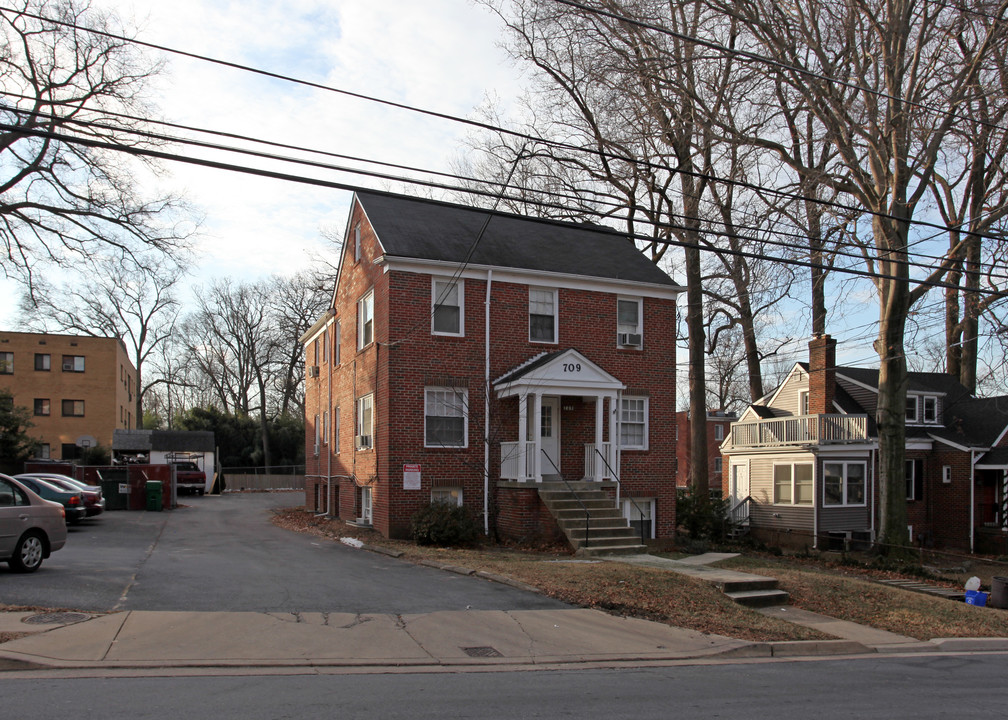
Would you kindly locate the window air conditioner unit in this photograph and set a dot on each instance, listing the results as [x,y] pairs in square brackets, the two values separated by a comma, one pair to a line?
[313,371]
[363,441]
[630,339]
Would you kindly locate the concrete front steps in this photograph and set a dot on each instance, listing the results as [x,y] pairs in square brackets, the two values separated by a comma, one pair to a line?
[608,532]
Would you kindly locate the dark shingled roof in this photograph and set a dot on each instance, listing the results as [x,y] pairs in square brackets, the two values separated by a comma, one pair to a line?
[427,230]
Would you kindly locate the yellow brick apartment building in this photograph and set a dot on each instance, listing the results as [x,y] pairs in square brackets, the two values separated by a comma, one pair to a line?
[77,388]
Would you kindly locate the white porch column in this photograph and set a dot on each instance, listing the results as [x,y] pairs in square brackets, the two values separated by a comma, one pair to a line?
[599,422]
[537,435]
[522,435]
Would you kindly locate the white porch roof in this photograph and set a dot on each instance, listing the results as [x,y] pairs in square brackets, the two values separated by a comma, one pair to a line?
[564,372]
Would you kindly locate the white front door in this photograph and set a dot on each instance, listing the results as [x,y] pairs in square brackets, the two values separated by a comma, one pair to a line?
[739,482]
[549,434]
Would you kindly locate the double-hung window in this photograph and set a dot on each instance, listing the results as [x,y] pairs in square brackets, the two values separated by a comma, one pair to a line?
[843,483]
[629,332]
[73,363]
[634,423]
[336,430]
[336,350]
[793,484]
[42,362]
[42,406]
[930,408]
[365,422]
[911,408]
[73,408]
[542,315]
[365,320]
[446,417]
[318,434]
[447,307]
[6,363]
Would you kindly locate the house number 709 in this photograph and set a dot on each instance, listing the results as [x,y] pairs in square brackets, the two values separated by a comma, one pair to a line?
[572,367]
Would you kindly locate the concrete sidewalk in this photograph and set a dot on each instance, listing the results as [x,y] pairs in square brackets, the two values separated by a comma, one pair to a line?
[444,640]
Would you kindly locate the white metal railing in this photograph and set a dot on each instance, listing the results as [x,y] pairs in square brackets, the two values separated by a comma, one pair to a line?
[800,430]
[606,451]
[738,514]
[511,461]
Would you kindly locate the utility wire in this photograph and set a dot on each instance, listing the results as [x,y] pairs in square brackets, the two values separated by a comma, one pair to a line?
[475,123]
[832,251]
[163,155]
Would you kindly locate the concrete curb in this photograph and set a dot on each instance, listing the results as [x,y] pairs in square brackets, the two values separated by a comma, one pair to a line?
[383,551]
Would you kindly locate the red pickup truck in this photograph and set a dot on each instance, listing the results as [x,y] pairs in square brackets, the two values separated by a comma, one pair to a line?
[189,478]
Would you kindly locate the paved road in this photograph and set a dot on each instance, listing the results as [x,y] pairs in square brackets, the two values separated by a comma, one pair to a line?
[891,688]
[223,554]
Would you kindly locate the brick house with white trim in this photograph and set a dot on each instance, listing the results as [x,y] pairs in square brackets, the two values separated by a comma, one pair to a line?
[480,358]
[807,457]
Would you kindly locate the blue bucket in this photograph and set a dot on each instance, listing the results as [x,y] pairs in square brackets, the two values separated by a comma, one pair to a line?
[975,597]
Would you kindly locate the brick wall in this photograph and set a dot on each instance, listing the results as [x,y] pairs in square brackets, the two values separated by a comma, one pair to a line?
[407,357]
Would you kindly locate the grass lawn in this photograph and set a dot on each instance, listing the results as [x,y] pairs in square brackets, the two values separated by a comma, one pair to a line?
[840,591]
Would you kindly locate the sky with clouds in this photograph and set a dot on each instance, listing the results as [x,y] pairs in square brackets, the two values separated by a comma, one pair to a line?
[440,55]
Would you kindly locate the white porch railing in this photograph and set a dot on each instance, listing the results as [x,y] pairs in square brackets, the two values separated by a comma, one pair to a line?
[511,461]
[800,430]
[590,457]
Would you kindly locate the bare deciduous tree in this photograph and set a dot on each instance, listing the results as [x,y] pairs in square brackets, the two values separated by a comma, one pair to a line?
[130,297]
[67,92]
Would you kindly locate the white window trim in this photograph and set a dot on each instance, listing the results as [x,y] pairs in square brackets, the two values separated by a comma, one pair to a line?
[803,402]
[631,514]
[923,409]
[357,243]
[358,425]
[639,329]
[844,484]
[773,481]
[365,300]
[465,416]
[719,431]
[318,435]
[556,315]
[336,429]
[456,501]
[325,427]
[647,421]
[336,339]
[916,409]
[460,284]
[946,474]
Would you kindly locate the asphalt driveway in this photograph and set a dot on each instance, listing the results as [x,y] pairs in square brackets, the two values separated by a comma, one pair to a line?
[223,554]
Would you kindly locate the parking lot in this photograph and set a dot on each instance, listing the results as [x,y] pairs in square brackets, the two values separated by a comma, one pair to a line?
[221,553]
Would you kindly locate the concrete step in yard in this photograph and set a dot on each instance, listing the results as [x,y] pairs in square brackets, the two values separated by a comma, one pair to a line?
[759,598]
[921,587]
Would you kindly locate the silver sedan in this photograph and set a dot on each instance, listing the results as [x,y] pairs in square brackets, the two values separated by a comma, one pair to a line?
[30,528]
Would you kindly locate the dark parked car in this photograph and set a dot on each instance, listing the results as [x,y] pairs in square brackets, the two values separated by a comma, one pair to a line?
[72,502]
[94,503]
[30,528]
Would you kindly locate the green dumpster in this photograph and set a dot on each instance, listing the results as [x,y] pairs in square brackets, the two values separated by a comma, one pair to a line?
[154,495]
[114,498]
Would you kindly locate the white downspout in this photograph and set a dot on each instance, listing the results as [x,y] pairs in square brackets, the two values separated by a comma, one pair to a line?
[328,443]
[815,503]
[486,409]
[871,469]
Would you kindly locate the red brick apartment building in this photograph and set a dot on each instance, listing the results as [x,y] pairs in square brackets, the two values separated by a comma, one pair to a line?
[802,464]
[718,424]
[496,362]
[78,388]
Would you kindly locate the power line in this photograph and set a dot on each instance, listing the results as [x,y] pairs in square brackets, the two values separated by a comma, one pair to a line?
[833,251]
[163,155]
[481,125]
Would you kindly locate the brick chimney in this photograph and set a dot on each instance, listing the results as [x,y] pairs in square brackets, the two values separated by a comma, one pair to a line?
[822,374]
